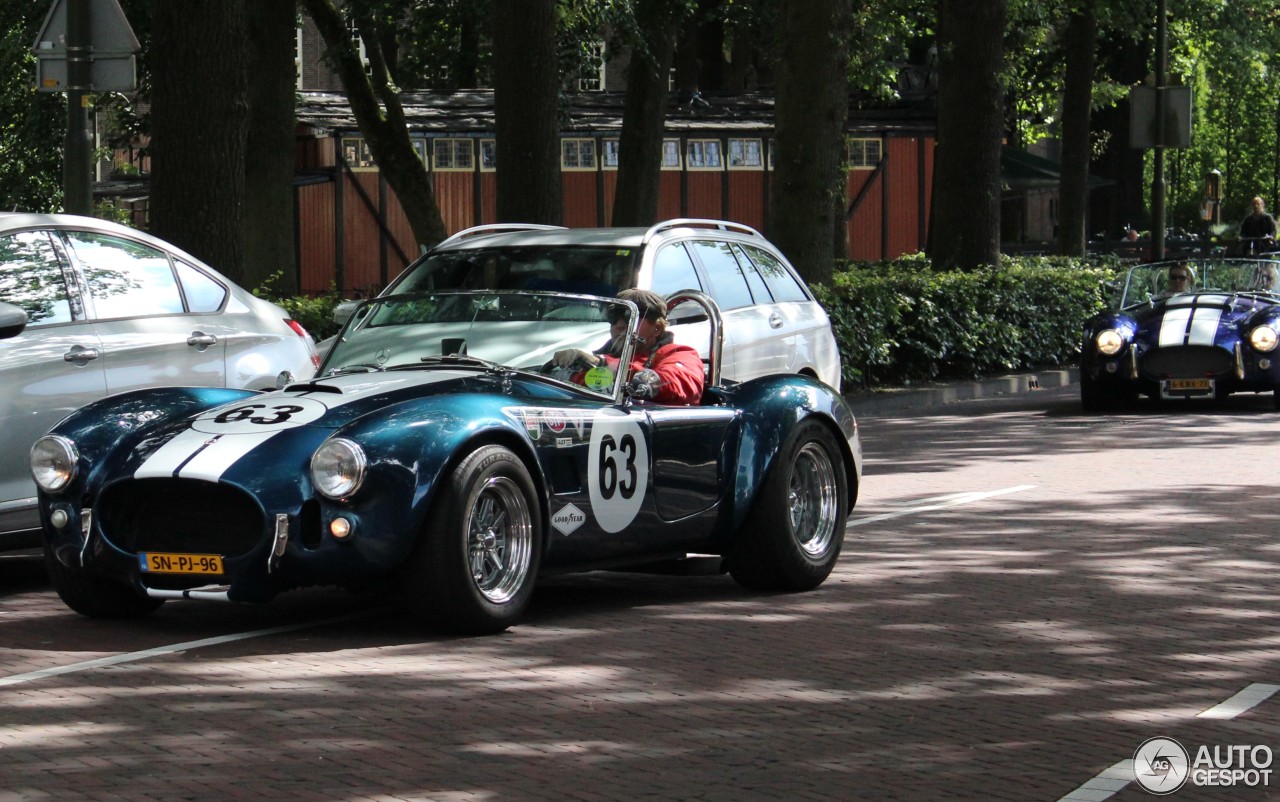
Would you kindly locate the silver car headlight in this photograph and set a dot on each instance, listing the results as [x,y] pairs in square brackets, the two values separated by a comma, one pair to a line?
[53,462]
[1264,338]
[1109,342]
[338,468]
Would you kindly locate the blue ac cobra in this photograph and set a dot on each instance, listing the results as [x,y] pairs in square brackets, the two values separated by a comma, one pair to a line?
[439,448]
[1197,328]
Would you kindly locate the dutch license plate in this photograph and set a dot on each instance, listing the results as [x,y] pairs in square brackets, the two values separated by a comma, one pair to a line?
[1187,387]
[153,562]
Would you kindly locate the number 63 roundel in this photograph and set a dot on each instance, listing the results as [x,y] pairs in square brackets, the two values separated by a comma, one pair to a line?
[617,469]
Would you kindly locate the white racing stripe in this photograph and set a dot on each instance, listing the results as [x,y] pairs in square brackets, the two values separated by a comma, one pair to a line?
[210,450]
[949,501]
[1193,324]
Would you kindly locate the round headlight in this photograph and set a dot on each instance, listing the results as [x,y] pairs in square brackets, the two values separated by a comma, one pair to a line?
[53,462]
[1264,338]
[1109,342]
[337,468]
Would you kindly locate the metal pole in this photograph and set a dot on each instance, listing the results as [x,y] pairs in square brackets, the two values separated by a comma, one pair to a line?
[1157,183]
[77,153]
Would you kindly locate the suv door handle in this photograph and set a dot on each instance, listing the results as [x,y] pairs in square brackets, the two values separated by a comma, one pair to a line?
[775,321]
[200,340]
[80,355]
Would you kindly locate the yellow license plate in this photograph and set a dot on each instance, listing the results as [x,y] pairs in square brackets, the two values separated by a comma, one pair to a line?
[153,562]
[1188,384]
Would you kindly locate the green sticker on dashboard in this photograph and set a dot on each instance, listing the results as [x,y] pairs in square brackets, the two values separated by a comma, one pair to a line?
[599,378]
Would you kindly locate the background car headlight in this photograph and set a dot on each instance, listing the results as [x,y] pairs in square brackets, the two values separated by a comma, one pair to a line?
[1109,342]
[53,462]
[1264,338]
[337,468]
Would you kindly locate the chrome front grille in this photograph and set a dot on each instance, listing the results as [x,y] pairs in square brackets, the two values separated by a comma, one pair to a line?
[180,515]
[1186,362]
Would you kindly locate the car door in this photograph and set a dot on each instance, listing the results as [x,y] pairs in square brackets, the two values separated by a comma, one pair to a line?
[148,336]
[54,366]
[752,330]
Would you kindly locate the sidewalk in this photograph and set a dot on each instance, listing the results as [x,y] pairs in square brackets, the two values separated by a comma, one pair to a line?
[900,399]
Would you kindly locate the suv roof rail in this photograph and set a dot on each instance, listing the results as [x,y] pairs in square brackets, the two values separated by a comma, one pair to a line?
[494,228]
[695,222]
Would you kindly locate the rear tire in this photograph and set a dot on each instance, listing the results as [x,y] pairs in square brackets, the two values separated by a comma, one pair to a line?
[95,596]
[793,536]
[476,562]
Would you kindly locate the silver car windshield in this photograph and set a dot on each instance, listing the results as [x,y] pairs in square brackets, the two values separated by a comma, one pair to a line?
[574,269]
[1147,283]
[495,330]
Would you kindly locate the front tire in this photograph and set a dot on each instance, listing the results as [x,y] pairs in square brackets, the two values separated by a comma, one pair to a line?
[95,596]
[474,568]
[792,538]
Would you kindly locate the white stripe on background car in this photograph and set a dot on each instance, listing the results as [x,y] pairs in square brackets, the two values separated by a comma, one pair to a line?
[1194,323]
[220,437]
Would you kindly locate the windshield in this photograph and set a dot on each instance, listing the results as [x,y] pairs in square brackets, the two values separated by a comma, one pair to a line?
[494,330]
[1158,280]
[558,268]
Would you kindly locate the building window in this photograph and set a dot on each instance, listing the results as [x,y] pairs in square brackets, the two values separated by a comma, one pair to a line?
[671,154]
[420,147]
[355,151]
[864,154]
[591,74]
[452,155]
[609,154]
[488,155]
[773,152]
[577,154]
[297,58]
[746,154]
[703,154]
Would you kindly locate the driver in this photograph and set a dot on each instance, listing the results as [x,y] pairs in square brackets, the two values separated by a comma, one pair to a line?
[661,370]
[1181,279]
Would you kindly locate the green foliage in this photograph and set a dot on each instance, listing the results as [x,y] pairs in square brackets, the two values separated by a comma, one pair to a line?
[32,124]
[315,313]
[901,322]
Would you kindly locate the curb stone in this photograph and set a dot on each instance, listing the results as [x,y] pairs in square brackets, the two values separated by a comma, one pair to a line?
[887,402]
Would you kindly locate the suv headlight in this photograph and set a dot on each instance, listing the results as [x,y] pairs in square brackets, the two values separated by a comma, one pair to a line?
[338,467]
[1109,342]
[53,462]
[1264,338]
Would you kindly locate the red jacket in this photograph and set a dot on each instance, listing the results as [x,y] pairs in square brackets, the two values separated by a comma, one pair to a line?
[678,366]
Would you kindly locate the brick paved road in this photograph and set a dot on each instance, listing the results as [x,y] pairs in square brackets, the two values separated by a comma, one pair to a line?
[1007,646]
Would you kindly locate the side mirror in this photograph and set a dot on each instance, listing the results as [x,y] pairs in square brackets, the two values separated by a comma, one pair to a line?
[13,319]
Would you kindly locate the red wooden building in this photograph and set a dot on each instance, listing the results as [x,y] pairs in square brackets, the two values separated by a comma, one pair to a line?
[717,156]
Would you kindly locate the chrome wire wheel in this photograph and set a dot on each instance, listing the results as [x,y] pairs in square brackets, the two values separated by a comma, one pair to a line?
[813,500]
[500,539]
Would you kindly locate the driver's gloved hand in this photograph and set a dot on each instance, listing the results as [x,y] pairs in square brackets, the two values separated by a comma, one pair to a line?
[574,356]
[645,384]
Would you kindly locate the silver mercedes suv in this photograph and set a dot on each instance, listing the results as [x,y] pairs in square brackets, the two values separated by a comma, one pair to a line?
[772,324]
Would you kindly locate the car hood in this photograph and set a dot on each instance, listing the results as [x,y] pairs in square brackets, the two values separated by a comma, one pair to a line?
[1197,318]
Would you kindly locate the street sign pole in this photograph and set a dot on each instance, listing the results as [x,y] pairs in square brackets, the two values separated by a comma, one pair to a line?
[77,161]
[1157,184]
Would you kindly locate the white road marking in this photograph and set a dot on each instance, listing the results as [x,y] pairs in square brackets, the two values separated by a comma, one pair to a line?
[1250,697]
[1105,784]
[160,651]
[948,501]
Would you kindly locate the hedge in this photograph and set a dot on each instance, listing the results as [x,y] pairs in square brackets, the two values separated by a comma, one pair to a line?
[901,322]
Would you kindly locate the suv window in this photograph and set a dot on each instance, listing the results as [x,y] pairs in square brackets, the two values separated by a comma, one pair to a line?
[673,270]
[33,278]
[126,279]
[728,284]
[754,282]
[590,270]
[783,284]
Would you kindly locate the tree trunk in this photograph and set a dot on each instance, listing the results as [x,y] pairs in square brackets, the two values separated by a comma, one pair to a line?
[635,198]
[1077,105]
[966,189]
[812,104]
[199,123]
[376,106]
[526,88]
[270,155]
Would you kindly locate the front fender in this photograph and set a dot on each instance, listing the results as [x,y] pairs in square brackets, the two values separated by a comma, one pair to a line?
[772,407]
